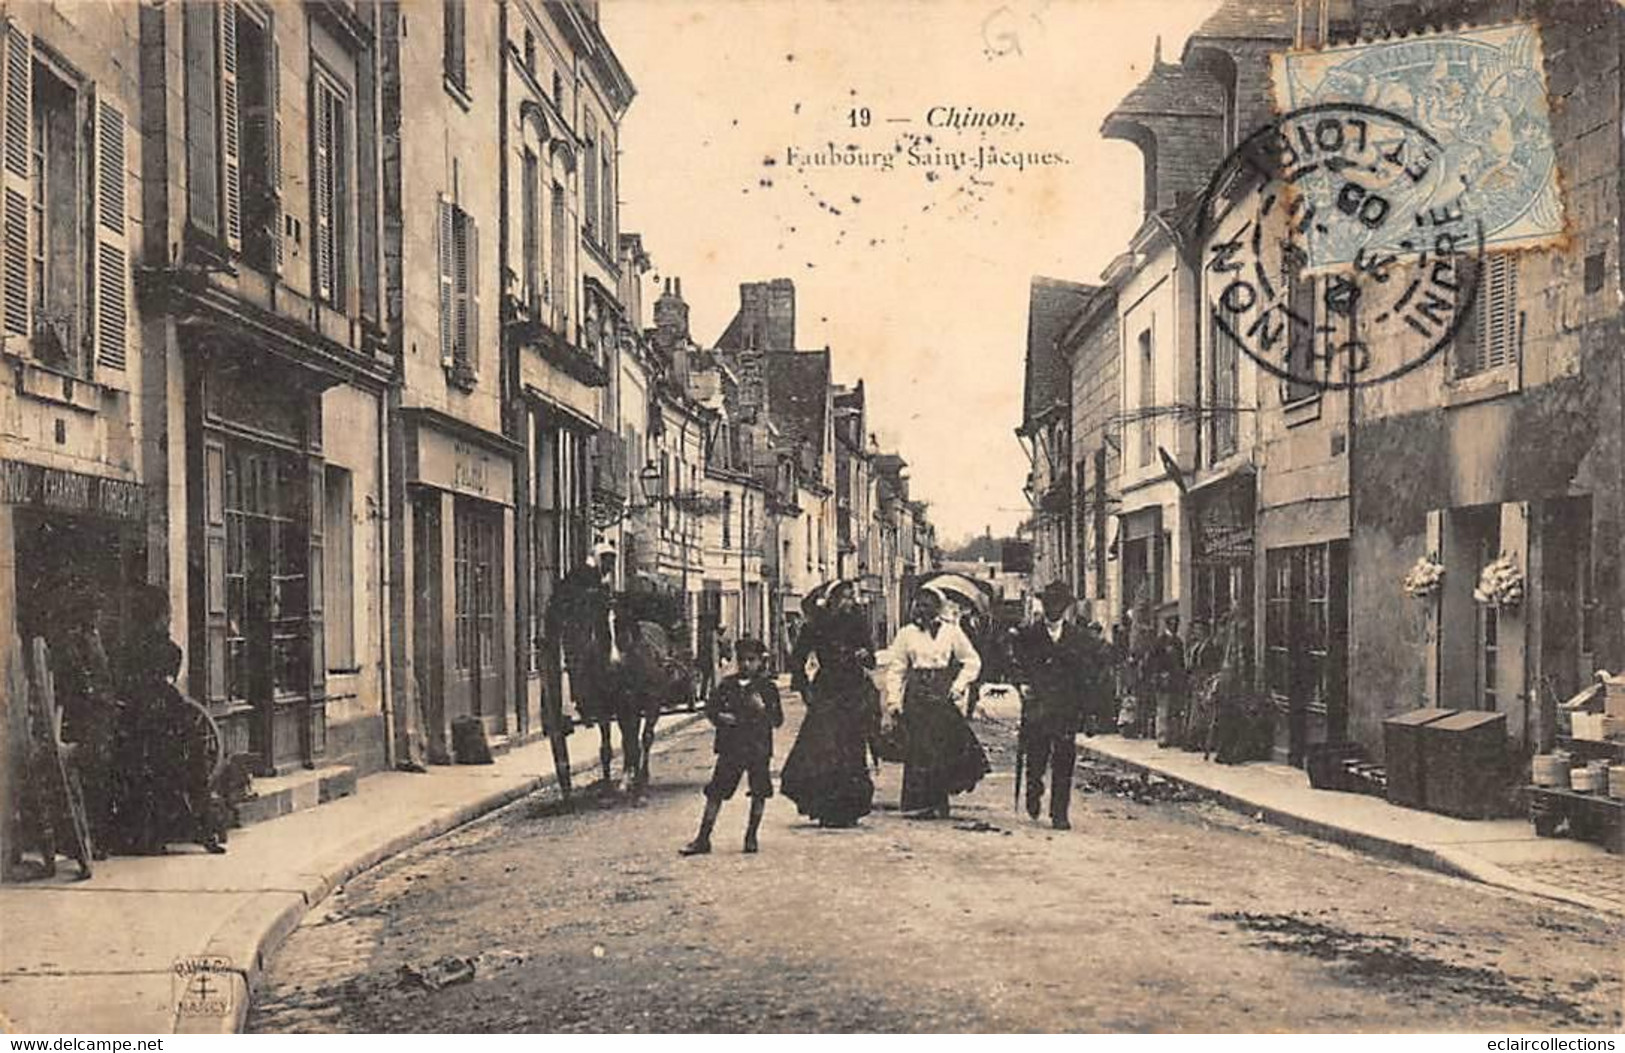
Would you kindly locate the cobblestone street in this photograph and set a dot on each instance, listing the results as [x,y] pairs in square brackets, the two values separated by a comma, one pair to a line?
[1147,916]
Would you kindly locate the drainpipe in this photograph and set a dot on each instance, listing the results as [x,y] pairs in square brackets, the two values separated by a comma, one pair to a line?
[1351,394]
[386,624]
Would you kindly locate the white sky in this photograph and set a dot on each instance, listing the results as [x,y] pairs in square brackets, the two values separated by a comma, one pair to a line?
[919,286]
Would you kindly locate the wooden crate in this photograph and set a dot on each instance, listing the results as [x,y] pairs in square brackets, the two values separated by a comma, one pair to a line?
[1582,816]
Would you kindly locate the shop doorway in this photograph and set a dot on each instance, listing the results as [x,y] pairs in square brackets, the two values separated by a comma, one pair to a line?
[476,683]
[1306,645]
[57,552]
[428,663]
[267,518]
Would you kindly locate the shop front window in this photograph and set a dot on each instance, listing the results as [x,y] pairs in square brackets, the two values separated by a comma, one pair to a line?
[267,561]
[474,571]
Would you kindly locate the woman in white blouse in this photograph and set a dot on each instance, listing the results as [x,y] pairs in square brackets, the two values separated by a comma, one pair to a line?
[932,667]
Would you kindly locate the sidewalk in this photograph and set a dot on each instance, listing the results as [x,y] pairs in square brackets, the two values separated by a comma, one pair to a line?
[1502,852]
[99,956]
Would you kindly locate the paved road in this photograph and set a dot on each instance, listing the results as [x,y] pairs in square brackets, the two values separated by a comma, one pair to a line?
[1149,915]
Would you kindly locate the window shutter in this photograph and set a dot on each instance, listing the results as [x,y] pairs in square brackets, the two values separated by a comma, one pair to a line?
[202,121]
[214,543]
[19,120]
[315,581]
[112,290]
[231,165]
[1498,325]
[1436,550]
[471,349]
[459,282]
[447,303]
[273,132]
[322,178]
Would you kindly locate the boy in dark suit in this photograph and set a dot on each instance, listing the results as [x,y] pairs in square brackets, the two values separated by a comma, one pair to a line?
[745,709]
[1061,668]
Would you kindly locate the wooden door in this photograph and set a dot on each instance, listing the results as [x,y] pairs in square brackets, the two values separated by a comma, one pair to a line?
[475,687]
[428,665]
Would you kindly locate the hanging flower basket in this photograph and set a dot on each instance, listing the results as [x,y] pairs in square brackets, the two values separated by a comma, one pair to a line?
[1500,584]
[1424,579]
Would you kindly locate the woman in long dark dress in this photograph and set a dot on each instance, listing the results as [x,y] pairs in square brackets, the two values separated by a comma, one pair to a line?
[932,667]
[827,772]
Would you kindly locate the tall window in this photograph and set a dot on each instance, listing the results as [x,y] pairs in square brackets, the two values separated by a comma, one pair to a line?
[589,180]
[1226,387]
[1489,338]
[727,519]
[456,54]
[1148,399]
[1480,530]
[531,232]
[330,188]
[1298,622]
[1278,622]
[260,148]
[459,293]
[559,284]
[665,490]
[606,162]
[562,506]
[1099,524]
[56,259]
[476,563]
[530,52]
[339,572]
[1302,332]
[267,556]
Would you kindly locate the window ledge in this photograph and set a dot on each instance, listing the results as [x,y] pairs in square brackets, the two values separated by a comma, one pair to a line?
[589,238]
[1481,387]
[1301,412]
[462,377]
[458,92]
[44,384]
[348,670]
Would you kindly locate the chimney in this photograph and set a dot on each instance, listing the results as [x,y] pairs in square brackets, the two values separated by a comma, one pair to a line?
[671,317]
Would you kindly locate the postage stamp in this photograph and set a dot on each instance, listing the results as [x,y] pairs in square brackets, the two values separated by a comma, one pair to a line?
[1349,178]
[1480,94]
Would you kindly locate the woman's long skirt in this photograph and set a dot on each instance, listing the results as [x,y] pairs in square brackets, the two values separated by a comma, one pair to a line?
[943,755]
[827,771]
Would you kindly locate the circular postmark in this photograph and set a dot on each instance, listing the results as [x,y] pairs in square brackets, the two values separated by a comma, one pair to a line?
[1336,250]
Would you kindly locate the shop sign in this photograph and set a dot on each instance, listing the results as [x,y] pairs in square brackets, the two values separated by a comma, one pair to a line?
[74,492]
[470,469]
[1224,526]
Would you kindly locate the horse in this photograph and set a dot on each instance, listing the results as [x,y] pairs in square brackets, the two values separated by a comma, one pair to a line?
[665,677]
[651,673]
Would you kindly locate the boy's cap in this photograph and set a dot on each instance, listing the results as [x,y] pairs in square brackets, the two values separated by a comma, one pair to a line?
[750,645]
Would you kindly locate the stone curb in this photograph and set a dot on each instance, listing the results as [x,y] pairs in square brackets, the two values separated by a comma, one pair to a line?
[254,931]
[1443,859]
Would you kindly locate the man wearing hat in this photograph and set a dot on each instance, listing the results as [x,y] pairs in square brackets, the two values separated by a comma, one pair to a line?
[1060,667]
